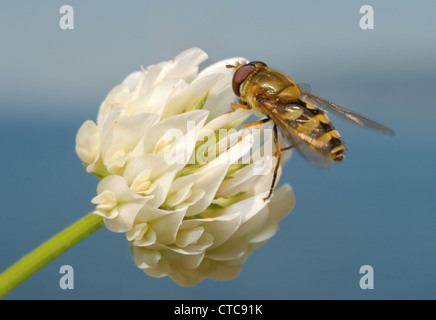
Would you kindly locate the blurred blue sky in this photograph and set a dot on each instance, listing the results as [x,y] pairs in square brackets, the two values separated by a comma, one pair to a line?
[376,208]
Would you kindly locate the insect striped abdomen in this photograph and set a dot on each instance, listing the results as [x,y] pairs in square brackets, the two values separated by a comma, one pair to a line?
[314,127]
[326,133]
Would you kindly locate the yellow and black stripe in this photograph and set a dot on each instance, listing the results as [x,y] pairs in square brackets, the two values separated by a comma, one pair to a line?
[314,127]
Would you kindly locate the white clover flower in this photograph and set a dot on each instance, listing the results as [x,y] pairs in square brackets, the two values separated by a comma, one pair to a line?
[177,176]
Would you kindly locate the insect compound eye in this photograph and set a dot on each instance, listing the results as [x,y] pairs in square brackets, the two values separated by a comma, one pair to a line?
[240,75]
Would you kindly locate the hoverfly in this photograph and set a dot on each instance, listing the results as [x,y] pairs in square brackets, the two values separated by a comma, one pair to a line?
[298,113]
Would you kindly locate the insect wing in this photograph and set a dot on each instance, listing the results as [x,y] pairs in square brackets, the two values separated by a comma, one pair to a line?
[288,118]
[304,87]
[306,150]
[343,113]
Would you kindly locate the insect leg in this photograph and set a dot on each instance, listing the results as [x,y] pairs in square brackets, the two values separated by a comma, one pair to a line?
[279,156]
[286,148]
[254,123]
[235,106]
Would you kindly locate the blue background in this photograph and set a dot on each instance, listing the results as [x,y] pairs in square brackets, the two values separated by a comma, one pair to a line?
[375,208]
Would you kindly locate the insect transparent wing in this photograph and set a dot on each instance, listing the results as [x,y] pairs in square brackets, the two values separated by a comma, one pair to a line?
[317,157]
[311,154]
[344,113]
[304,87]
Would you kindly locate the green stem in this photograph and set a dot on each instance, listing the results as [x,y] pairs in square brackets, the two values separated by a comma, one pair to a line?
[48,251]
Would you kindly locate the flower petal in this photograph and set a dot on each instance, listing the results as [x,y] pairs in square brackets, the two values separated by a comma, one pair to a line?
[221,227]
[184,95]
[189,236]
[196,191]
[176,136]
[280,205]
[161,175]
[122,138]
[117,203]
[155,100]
[166,227]
[184,65]
[120,95]
[146,258]
[88,142]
